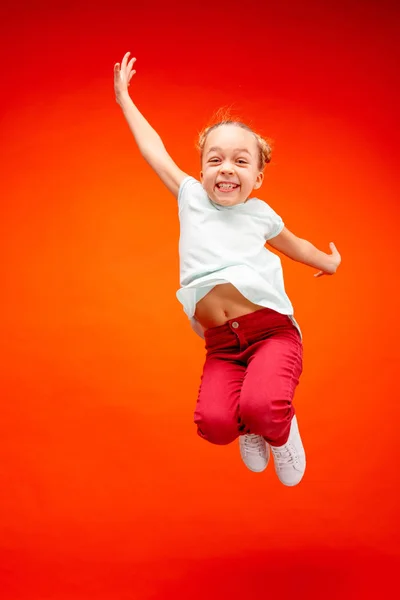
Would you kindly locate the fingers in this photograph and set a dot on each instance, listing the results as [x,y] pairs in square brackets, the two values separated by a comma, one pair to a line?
[129,72]
[116,70]
[333,248]
[130,64]
[335,254]
[126,66]
[123,72]
[124,61]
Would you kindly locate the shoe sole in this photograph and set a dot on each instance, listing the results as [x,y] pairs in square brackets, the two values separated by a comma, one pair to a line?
[256,470]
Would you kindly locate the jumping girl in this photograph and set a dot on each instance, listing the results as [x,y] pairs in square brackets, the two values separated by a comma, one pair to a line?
[232,288]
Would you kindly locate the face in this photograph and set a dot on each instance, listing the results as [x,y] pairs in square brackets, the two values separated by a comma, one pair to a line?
[230,165]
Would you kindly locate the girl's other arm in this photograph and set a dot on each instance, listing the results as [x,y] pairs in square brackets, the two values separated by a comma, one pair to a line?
[303,251]
[149,142]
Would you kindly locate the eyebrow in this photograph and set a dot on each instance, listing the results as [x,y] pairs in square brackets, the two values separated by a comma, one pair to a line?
[218,149]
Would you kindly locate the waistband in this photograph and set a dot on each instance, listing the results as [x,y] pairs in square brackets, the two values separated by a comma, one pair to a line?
[250,323]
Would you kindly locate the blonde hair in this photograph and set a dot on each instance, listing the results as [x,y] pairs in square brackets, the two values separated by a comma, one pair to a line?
[224,117]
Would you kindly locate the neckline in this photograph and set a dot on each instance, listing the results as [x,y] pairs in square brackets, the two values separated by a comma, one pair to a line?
[232,207]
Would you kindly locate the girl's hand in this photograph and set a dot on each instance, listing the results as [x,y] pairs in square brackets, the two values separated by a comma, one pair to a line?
[122,76]
[333,261]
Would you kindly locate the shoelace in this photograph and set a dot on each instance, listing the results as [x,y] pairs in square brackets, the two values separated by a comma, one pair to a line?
[285,455]
[254,444]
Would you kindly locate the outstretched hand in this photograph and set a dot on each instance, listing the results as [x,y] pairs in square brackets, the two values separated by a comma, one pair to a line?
[333,261]
[122,75]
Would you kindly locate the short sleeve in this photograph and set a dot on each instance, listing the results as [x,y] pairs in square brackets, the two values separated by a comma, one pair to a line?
[273,223]
[189,186]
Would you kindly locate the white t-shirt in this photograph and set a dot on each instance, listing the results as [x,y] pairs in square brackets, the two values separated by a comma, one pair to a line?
[226,244]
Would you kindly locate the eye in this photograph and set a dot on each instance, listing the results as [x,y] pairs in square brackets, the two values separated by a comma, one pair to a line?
[213,160]
[242,161]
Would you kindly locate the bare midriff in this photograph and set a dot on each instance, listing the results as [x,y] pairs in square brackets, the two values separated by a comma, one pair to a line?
[222,303]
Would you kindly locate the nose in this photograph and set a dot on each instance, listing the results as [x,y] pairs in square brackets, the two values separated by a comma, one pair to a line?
[226,167]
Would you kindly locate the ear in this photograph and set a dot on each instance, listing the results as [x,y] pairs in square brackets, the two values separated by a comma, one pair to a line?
[259,180]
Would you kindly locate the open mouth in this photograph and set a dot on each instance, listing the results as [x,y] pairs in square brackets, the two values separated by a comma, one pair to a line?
[227,187]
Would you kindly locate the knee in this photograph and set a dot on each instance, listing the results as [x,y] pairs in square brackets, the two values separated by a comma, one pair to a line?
[216,428]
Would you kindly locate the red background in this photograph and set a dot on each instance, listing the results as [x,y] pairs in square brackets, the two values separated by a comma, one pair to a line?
[106,490]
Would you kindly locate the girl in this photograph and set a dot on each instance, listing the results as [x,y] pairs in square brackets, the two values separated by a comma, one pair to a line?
[232,288]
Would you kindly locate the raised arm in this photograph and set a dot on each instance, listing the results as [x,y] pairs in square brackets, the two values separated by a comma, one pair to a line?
[303,251]
[149,142]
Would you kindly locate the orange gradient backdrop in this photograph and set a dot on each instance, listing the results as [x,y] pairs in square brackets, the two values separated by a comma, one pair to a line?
[106,490]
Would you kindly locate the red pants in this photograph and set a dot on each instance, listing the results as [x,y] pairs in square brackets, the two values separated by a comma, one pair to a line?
[253,365]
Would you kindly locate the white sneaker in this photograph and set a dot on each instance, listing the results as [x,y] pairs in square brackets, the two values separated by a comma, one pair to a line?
[290,459]
[254,451]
